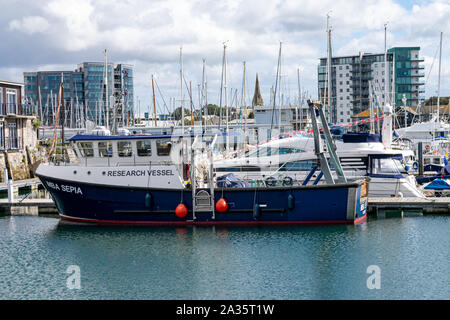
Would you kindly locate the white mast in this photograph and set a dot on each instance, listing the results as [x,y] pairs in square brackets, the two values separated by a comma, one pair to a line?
[245,105]
[330,112]
[439,81]
[386,78]
[299,100]
[226,94]
[106,94]
[181,89]
[205,112]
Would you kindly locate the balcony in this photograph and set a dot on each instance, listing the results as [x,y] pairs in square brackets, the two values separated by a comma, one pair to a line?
[416,67]
[363,78]
[17,109]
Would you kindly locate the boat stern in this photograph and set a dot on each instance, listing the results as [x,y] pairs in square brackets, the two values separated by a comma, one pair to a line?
[357,202]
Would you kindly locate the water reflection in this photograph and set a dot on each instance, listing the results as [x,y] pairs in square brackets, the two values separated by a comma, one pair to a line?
[285,262]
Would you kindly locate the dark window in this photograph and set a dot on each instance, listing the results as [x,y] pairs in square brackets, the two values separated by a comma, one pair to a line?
[144,148]
[163,147]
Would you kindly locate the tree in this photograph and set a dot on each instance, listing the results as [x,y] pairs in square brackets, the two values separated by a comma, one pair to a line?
[177,113]
[432,101]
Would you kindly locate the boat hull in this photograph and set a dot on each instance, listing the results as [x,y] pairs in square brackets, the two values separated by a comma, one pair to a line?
[111,205]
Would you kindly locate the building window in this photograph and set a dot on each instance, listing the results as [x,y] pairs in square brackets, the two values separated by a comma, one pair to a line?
[13,139]
[11,100]
[2,135]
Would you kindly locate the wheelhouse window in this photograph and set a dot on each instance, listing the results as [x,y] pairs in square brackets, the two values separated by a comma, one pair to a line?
[386,166]
[289,150]
[124,148]
[268,151]
[105,149]
[144,148]
[86,149]
[303,165]
[163,147]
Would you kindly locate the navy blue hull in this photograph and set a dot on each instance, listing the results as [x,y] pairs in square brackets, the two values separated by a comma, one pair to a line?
[103,204]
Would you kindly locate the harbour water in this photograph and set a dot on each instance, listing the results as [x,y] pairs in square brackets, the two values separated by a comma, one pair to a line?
[302,262]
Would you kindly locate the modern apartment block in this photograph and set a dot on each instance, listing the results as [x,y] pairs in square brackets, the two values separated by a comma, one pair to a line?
[353,76]
[408,75]
[88,93]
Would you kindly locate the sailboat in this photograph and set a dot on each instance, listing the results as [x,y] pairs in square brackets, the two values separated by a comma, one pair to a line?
[434,134]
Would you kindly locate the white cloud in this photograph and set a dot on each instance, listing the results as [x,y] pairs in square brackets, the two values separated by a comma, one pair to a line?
[149,35]
[30,25]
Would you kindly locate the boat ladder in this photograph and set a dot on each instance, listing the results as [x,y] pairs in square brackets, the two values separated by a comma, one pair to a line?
[202,198]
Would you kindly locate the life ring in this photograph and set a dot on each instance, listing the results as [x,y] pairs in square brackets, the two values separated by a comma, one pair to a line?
[288,181]
[415,165]
[271,182]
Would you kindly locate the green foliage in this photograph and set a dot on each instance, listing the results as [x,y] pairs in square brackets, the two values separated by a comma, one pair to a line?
[36,123]
[177,113]
[432,101]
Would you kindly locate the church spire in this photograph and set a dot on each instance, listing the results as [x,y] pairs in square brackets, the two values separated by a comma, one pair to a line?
[257,98]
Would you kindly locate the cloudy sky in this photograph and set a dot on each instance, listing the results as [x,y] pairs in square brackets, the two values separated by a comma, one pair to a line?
[59,34]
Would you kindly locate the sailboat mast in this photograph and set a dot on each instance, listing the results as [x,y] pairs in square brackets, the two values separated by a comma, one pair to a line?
[106,88]
[439,80]
[205,112]
[190,97]
[225,92]
[245,104]
[330,112]
[181,89]
[154,102]
[275,92]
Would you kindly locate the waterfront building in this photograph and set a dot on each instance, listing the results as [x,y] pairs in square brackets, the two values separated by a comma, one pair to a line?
[353,77]
[89,93]
[17,132]
[408,75]
[15,117]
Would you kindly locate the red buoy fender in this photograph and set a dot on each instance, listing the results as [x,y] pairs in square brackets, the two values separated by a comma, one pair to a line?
[222,205]
[181,211]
